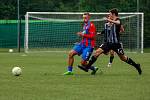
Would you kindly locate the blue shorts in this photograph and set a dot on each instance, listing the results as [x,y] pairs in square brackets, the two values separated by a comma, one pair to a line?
[83,50]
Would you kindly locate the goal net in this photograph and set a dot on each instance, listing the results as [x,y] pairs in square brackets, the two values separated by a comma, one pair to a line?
[55,31]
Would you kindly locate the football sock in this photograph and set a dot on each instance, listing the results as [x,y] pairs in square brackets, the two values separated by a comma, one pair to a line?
[70,68]
[92,60]
[131,62]
[111,59]
[137,66]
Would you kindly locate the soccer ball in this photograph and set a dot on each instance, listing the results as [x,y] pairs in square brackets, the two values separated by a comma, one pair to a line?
[11,50]
[16,71]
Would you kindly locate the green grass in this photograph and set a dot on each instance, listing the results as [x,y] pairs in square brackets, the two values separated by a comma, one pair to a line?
[43,79]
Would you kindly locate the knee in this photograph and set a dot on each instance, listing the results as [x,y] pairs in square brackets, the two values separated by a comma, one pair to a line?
[112,53]
[83,63]
[98,52]
[123,58]
[70,54]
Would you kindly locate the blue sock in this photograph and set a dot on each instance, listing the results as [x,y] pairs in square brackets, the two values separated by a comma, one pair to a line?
[70,68]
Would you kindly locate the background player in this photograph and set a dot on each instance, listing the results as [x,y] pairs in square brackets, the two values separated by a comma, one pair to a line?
[85,47]
[113,43]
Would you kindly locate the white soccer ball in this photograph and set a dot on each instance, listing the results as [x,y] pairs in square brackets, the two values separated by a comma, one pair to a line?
[16,71]
[11,50]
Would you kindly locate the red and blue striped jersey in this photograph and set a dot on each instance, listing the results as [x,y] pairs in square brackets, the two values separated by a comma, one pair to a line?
[89,32]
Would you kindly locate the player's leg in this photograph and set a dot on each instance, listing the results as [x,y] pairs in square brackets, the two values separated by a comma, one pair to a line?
[112,53]
[85,57]
[126,59]
[96,54]
[104,48]
[76,50]
[86,53]
[82,66]
[71,55]
[92,60]
[131,62]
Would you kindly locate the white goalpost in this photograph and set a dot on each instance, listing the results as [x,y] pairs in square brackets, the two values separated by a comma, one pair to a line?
[55,31]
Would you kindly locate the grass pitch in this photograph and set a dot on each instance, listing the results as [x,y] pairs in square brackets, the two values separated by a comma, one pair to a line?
[43,79]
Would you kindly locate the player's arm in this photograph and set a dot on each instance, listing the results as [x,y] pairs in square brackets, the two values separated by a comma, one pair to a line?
[121,28]
[99,33]
[91,34]
[113,21]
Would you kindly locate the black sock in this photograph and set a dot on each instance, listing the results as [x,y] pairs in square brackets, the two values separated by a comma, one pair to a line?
[131,62]
[111,59]
[92,60]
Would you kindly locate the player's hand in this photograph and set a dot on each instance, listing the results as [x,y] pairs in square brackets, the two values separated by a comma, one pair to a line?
[109,20]
[79,34]
[99,33]
[105,18]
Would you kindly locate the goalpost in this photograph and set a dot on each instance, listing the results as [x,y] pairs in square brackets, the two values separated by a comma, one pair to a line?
[55,31]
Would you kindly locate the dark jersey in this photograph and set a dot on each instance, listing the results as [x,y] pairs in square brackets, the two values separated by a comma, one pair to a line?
[111,33]
[112,38]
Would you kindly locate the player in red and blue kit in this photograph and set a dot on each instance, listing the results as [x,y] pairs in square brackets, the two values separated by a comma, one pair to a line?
[85,47]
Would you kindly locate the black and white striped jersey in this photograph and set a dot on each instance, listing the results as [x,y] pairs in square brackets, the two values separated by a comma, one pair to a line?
[111,33]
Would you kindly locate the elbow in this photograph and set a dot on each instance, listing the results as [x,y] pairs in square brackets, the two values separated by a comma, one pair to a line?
[93,37]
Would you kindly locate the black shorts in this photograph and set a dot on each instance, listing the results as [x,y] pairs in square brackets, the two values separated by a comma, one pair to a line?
[117,47]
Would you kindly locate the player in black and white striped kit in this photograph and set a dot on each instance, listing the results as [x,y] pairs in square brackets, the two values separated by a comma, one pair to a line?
[111,52]
[112,42]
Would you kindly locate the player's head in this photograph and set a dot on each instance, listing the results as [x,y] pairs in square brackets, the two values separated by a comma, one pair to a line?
[109,17]
[113,12]
[86,17]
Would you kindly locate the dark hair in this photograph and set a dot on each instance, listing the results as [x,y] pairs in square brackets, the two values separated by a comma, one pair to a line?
[86,13]
[114,11]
